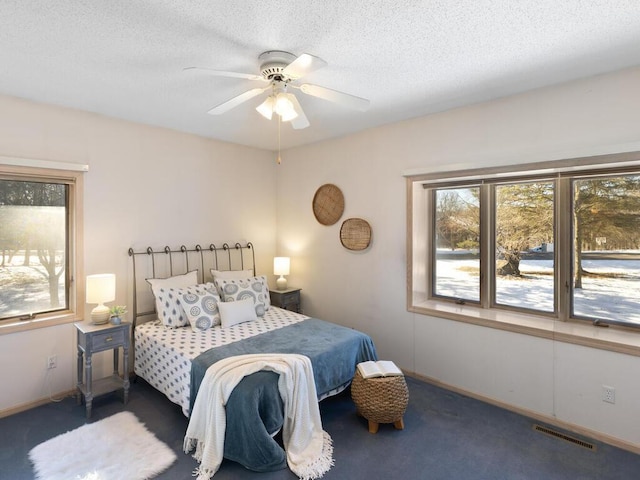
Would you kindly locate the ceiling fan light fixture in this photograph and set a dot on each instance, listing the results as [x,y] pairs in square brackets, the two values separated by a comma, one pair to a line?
[288,116]
[266,108]
[283,106]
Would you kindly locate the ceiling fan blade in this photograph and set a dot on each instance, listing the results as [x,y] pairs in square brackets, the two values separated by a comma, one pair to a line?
[301,120]
[235,101]
[303,65]
[341,98]
[222,73]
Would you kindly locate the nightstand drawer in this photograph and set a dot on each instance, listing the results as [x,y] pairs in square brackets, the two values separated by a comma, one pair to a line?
[290,299]
[103,341]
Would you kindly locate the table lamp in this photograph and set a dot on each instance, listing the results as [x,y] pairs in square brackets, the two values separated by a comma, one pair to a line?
[281,267]
[101,288]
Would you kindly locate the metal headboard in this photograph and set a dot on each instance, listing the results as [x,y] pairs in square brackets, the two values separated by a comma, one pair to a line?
[168,262]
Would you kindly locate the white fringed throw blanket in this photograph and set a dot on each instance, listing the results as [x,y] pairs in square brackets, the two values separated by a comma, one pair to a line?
[309,448]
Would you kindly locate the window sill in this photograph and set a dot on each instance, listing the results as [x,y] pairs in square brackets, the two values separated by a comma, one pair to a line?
[25,325]
[615,339]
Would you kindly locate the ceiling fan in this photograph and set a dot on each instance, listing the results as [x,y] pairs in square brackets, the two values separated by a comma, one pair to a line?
[282,71]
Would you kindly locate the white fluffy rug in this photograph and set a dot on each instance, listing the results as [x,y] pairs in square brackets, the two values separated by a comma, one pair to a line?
[118,447]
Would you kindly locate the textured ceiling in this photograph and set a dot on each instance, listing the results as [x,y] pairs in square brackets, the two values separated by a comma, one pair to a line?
[125,58]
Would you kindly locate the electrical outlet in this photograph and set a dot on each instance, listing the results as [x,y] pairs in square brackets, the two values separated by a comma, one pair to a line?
[52,361]
[608,394]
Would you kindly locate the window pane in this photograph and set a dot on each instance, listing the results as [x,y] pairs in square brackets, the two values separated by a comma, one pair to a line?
[606,271]
[457,243]
[524,246]
[33,244]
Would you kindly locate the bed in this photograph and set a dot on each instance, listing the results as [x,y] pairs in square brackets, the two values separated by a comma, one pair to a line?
[174,357]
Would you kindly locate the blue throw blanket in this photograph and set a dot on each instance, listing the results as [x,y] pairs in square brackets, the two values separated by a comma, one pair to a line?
[254,409]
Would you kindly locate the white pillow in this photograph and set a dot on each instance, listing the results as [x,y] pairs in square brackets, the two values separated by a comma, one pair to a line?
[177,281]
[201,309]
[231,274]
[255,288]
[232,313]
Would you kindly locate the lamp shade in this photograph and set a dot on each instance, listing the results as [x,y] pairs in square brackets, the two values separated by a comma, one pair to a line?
[281,265]
[266,108]
[101,288]
[283,105]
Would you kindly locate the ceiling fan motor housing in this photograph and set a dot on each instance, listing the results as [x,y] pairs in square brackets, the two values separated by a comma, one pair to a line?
[273,63]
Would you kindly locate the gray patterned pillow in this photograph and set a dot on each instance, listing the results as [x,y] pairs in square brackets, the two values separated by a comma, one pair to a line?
[201,309]
[230,275]
[169,307]
[177,281]
[254,287]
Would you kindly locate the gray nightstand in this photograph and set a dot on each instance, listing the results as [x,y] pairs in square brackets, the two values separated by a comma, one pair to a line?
[288,299]
[97,338]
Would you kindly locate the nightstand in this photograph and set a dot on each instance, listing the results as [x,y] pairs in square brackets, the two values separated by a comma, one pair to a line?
[97,338]
[288,299]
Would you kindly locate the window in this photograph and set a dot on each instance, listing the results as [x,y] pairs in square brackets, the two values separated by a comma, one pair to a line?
[524,239]
[606,219]
[457,238]
[39,246]
[558,240]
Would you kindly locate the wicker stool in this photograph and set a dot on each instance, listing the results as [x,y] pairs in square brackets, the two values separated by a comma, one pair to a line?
[380,399]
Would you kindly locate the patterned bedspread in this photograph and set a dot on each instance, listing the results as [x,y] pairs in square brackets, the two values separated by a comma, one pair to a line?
[174,362]
[163,356]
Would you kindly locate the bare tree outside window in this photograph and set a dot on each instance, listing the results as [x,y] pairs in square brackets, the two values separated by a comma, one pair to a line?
[457,240]
[33,247]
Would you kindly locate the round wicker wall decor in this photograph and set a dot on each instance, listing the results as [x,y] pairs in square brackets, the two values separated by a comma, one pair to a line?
[328,204]
[355,234]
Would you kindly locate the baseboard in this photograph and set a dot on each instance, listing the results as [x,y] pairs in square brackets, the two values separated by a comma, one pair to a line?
[577,429]
[28,406]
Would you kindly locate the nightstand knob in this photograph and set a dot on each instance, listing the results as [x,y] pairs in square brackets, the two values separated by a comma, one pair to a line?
[108,339]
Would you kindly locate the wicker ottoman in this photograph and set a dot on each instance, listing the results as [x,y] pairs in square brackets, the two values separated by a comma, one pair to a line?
[380,399]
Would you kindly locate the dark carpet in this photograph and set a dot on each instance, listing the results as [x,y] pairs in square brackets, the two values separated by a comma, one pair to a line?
[446,436]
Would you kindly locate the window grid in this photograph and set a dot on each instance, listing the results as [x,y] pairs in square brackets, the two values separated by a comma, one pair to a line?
[563,263]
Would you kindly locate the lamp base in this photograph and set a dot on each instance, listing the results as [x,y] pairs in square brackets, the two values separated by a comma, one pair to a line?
[281,283]
[100,315]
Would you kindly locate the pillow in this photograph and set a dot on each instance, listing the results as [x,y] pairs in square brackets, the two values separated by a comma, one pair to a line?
[177,281]
[170,309]
[201,309]
[254,288]
[232,313]
[231,274]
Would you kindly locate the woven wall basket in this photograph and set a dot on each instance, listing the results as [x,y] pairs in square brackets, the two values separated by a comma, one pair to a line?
[328,204]
[355,234]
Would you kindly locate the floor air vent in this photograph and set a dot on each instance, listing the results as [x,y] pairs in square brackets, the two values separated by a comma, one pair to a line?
[566,438]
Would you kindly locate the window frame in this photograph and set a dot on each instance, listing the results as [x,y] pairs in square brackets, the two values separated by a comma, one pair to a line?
[558,325]
[74,179]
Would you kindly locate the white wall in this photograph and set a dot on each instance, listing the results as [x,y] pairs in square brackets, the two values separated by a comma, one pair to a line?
[153,186]
[366,290]
[145,187]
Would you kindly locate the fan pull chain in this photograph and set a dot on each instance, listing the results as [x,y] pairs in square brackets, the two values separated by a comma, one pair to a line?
[279,160]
